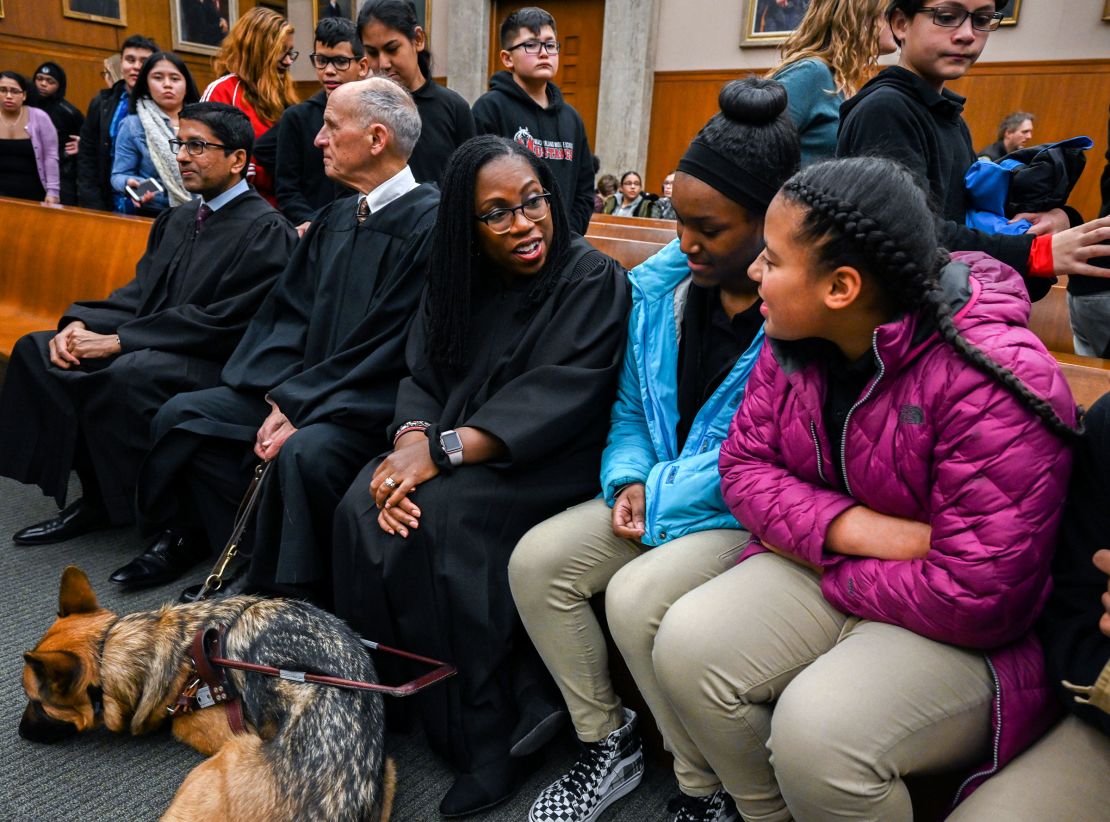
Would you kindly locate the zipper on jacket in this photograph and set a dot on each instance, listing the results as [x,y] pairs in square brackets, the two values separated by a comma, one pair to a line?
[859,402]
[993,768]
[817,445]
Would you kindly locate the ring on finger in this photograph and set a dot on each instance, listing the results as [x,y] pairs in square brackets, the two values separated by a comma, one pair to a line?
[390,483]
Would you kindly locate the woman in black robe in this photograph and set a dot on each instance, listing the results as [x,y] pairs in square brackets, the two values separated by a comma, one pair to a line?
[514,360]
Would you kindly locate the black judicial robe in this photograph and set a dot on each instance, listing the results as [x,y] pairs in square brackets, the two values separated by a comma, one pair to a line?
[328,348]
[178,321]
[542,378]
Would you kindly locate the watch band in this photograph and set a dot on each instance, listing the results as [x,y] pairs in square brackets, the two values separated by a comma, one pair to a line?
[454,454]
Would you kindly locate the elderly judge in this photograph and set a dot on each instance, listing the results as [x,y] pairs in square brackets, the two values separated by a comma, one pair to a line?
[313,383]
[82,397]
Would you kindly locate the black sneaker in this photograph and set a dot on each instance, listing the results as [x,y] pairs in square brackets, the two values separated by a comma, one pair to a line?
[717,807]
[607,770]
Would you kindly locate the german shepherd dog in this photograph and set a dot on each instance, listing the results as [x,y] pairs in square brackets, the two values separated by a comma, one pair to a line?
[309,752]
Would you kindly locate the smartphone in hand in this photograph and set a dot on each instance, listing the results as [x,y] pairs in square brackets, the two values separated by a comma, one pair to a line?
[149,185]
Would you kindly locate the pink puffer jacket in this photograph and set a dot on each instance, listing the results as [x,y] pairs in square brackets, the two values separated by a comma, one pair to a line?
[934,440]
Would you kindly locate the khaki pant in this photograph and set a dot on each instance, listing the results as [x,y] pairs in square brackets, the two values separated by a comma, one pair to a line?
[562,562]
[802,712]
[1065,776]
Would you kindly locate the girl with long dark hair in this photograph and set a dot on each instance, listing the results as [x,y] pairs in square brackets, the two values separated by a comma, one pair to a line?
[514,358]
[143,151]
[397,47]
[900,456]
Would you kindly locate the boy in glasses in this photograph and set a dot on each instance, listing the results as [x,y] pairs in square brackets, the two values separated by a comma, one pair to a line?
[523,104]
[907,114]
[300,184]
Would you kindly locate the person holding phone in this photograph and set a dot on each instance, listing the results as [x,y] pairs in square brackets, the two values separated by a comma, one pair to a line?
[145,173]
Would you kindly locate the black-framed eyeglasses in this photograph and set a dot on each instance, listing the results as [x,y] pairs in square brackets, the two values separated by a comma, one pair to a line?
[500,220]
[340,62]
[952,18]
[534,46]
[291,55]
[194,147]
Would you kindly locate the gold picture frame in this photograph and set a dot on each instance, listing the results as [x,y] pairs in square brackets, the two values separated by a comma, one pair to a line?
[198,42]
[112,12]
[1,9]
[423,12]
[1106,12]
[767,23]
[1011,9]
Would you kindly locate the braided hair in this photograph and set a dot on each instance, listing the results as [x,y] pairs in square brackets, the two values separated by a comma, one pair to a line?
[850,221]
[455,263]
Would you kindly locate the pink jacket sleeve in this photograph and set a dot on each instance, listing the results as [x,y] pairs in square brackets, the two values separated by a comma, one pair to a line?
[775,505]
[997,491]
[44,140]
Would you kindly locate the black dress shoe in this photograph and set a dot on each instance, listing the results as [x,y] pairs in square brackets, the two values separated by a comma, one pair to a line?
[537,726]
[167,558]
[482,789]
[72,521]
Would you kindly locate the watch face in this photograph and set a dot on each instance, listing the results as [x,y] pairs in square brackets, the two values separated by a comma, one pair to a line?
[451,441]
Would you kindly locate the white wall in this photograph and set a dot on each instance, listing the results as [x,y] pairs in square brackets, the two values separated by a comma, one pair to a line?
[1046,30]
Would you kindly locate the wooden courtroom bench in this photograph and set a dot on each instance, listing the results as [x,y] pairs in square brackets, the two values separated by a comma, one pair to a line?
[1050,322]
[632,228]
[58,255]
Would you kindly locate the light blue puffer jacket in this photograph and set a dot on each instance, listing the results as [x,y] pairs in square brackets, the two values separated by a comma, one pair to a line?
[682,490]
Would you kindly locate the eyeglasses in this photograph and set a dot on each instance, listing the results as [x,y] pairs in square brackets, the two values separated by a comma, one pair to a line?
[952,18]
[340,62]
[290,55]
[500,220]
[194,147]
[534,46]
[11,92]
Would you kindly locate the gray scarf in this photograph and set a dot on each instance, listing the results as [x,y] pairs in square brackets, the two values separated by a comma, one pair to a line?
[158,133]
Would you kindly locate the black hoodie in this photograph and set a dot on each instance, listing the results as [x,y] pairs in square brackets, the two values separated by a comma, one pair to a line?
[555,134]
[67,119]
[900,116]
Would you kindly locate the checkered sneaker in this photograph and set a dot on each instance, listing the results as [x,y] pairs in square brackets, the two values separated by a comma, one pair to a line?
[607,770]
[717,807]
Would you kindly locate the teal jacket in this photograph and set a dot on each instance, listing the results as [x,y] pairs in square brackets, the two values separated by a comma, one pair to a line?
[814,105]
[682,489]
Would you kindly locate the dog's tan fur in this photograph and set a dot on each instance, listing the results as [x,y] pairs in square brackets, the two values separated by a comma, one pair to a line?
[140,672]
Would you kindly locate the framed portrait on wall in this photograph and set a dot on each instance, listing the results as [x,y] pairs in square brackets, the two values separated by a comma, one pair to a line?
[199,26]
[1011,9]
[770,22]
[1106,11]
[98,11]
[349,9]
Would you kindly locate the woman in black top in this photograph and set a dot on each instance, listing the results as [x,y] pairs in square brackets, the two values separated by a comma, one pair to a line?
[28,145]
[398,47]
[514,358]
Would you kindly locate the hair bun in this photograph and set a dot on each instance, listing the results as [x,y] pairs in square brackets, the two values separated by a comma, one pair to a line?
[753,101]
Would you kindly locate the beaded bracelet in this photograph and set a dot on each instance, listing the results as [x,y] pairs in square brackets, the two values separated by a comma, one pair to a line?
[411,425]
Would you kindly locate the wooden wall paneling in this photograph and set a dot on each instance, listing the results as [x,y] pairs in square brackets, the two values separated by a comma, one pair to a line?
[1069,97]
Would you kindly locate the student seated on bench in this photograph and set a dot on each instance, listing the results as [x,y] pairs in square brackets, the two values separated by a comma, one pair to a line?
[900,455]
[1066,775]
[82,397]
[694,335]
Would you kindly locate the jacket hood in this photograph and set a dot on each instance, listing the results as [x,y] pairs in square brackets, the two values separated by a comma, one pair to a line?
[945,103]
[503,82]
[58,73]
[660,274]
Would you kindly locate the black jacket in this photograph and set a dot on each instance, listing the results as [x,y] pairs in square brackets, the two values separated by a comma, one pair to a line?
[94,157]
[300,184]
[900,116]
[555,134]
[67,121]
[445,124]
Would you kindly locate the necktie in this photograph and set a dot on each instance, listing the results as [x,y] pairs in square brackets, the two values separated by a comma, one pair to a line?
[363,210]
[203,213]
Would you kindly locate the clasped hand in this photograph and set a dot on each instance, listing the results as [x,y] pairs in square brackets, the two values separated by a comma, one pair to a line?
[75,343]
[628,512]
[408,465]
[272,434]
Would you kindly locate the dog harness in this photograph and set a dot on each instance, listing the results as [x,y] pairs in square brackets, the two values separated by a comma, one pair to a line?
[208,684]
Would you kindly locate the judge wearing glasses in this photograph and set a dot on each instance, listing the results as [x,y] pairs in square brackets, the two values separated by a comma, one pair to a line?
[513,360]
[300,183]
[81,397]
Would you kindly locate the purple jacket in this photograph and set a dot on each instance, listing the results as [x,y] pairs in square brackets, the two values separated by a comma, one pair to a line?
[44,141]
[934,440]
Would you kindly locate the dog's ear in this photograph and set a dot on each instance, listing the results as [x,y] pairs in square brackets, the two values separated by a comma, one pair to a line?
[76,596]
[57,671]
